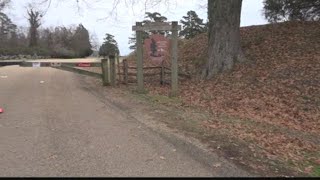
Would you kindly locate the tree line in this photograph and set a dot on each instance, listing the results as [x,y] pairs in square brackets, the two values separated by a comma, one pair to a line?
[291,10]
[223,28]
[56,42]
[192,25]
[274,11]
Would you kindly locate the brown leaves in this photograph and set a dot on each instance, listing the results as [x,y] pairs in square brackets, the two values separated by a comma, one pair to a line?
[276,88]
[279,85]
[308,169]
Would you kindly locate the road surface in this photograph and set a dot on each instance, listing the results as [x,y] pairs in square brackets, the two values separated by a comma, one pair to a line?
[53,127]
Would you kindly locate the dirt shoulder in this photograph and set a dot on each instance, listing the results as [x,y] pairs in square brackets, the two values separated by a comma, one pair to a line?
[191,123]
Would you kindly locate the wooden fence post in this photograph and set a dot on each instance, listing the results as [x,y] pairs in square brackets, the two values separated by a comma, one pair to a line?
[112,70]
[139,59]
[174,60]
[162,74]
[118,65]
[105,72]
[125,71]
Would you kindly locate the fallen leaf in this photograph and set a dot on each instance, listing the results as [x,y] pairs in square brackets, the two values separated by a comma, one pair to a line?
[149,160]
[308,169]
[162,158]
[217,165]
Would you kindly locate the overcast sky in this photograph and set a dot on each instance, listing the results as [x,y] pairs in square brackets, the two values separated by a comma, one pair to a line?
[100,17]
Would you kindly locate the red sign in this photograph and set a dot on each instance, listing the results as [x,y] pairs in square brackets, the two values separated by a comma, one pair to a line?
[1,110]
[84,65]
[157,48]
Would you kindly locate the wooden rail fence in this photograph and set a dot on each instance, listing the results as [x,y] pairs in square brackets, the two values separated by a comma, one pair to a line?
[126,73]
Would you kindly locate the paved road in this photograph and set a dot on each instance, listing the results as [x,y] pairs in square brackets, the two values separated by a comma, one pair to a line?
[57,129]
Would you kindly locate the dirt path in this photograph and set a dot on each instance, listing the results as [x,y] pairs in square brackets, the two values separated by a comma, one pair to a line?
[55,124]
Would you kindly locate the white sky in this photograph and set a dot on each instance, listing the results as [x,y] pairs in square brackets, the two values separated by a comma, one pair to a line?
[96,15]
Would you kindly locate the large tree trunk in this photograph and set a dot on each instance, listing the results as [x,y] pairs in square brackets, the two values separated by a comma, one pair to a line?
[33,37]
[224,36]
[34,21]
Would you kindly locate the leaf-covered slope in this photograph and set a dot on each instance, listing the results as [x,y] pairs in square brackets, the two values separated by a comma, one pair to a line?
[279,83]
[275,93]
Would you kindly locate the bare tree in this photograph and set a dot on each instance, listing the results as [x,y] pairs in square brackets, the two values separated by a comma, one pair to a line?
[7,27]
[4,4]
[34,18]
[94,40]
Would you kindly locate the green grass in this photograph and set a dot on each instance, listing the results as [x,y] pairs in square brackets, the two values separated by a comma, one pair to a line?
[316,172]
[164,100]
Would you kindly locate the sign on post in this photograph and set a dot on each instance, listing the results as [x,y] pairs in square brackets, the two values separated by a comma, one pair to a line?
[139,59]
[36,64]
[157,49]
[154,48]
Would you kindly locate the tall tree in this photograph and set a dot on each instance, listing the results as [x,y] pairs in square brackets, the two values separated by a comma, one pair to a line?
[34,21]
[80,42]
[94,41]
[109,46]
[4,4]
[149,17]
[224,37]
[155,17]
[132,40]
[47,38]
[192,25]
[6,26]
[288,10]
[8,36]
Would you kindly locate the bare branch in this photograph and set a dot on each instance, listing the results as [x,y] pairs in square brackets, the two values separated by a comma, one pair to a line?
[4,4]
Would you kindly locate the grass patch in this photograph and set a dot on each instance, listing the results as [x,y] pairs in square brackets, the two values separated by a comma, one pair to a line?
[158,99]
[316,172]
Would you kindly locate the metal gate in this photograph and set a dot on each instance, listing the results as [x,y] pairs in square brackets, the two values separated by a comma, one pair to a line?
[107,66]
[67,66]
